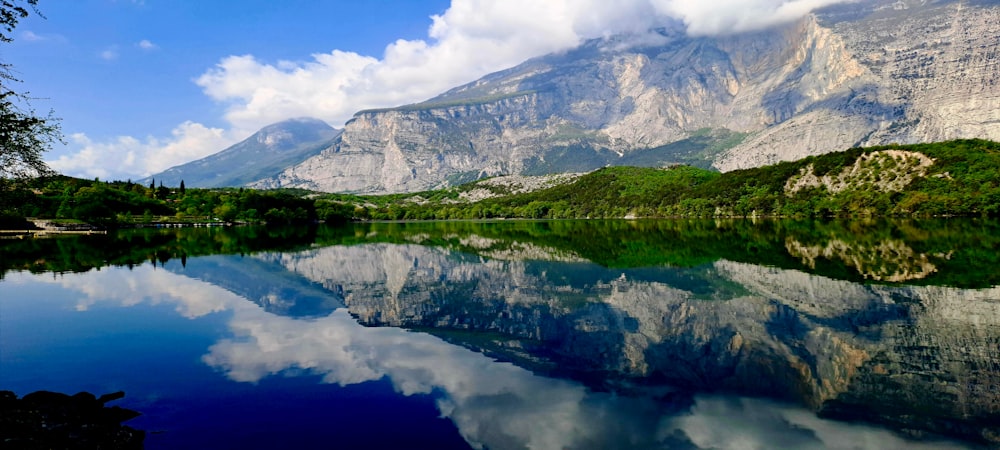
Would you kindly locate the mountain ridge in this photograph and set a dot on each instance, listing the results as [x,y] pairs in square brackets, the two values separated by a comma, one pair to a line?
[263,154]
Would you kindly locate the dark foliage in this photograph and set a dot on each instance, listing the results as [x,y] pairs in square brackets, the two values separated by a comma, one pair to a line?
[50,420]
[118,203]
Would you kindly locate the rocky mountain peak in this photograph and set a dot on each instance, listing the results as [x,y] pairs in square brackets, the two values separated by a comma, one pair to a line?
[854,74]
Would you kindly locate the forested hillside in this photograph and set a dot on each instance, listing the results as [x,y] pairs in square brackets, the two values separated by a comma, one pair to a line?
[954,178]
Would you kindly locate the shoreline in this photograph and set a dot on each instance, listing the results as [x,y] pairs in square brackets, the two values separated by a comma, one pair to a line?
[21,234]
[49,229]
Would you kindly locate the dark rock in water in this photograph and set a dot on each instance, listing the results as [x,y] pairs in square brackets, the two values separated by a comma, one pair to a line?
[50,420]
[111,397]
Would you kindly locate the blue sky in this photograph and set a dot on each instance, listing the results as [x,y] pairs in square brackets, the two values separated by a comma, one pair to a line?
[89,59]
[143,85]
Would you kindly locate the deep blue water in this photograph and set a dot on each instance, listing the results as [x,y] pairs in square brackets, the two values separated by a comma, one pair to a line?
[55,337]
[404,345]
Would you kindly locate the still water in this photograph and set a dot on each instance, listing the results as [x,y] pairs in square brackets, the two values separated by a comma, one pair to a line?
[542,335]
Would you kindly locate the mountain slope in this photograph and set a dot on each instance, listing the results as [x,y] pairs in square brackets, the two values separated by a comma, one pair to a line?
[859,74]
[954,178]
[264,154]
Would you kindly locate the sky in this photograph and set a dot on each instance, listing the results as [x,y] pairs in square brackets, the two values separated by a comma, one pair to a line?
[143,85]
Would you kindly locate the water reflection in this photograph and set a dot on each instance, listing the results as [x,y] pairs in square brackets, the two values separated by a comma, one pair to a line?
[527,342]
[909,356]
[145,285]
[499,405]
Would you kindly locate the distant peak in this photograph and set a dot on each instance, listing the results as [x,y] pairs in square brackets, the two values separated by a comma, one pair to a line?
[292,132]
[299,121]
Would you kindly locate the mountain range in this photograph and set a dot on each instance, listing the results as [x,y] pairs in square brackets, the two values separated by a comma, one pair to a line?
[854,74]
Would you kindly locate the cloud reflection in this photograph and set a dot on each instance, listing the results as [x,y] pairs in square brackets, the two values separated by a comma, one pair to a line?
[493,404]
[499,405]
[145,284]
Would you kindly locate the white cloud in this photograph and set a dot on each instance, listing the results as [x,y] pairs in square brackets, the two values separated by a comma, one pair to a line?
[470,39]
[30,36]
[736,16]
[109,54]
[127,156]
[271,93]
[145,44]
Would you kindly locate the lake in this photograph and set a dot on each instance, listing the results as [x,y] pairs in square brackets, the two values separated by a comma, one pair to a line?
[519,334]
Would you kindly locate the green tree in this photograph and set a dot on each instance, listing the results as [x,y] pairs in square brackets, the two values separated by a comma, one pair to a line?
[24,135]
[162,192]
[65,204]
[226,212]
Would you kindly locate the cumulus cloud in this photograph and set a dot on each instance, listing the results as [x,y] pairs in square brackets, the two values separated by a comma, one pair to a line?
[271,93]
[470,39]
[127,155]
[735,16]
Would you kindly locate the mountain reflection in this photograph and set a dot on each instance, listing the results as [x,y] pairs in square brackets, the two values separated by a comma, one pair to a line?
[500,405]
[534,336]
[907,356]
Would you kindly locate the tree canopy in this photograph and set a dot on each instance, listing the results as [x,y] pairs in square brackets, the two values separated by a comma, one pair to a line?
[12,11]
[24,134]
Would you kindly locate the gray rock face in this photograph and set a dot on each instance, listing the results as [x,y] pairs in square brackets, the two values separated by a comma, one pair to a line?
[928,73]
[265,154]
[857,74]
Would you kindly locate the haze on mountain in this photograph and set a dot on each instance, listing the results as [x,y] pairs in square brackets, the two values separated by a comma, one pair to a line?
[264,154]
[852,74]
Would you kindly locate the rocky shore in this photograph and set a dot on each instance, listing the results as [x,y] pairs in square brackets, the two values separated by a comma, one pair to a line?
[50,420]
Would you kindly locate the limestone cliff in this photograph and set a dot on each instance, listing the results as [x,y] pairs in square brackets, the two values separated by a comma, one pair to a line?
[927,73]
[856,74]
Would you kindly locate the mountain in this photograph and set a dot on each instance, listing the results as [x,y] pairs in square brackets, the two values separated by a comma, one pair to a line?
[264,154]
[861,73]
